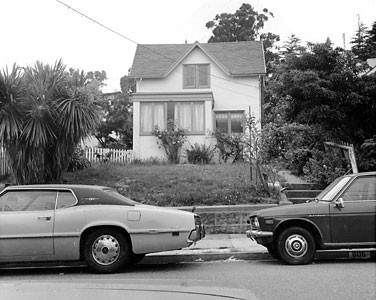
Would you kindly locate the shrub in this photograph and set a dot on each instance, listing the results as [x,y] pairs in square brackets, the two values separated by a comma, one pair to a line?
[172,140]
[324,167]
[229,146]
[78,161]
[367,157]
[200,154]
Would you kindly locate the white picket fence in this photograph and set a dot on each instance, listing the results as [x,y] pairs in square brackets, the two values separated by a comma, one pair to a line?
[106,155]
[94,155]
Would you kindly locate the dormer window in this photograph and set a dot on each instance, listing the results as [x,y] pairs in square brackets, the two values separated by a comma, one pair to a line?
[196,76]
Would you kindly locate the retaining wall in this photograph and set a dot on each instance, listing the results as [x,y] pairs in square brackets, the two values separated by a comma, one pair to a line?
[226,218]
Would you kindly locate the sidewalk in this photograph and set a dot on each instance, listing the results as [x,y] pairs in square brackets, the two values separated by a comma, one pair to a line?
[214,247]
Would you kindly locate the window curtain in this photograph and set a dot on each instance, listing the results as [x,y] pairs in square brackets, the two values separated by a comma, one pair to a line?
[183,115]
[146,117]
[151,115]
[198,119]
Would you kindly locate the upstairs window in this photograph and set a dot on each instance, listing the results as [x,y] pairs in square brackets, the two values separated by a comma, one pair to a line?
[196,76]
[229,121]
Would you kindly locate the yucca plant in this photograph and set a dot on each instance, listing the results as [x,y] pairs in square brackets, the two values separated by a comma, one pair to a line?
[45,112]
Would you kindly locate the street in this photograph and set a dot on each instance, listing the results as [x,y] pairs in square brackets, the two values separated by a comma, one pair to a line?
[265,279]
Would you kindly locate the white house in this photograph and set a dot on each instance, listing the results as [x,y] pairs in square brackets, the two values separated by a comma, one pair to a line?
[203,87]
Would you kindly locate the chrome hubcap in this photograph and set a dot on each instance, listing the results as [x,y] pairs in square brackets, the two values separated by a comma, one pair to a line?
[296,245]
[105,250]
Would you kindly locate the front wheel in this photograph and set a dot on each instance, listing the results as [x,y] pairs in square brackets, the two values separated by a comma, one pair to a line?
[296,246]
[106,251]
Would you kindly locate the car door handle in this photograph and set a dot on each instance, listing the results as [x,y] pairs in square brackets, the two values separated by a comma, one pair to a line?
[45,218]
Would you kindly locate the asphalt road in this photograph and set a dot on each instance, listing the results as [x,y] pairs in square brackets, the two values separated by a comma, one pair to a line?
[265,279]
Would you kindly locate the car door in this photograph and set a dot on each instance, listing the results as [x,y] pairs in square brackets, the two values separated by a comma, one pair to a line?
[26,223]
[355,221]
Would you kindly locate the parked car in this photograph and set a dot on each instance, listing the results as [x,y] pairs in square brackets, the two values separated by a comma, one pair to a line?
[91,223]
[341,217]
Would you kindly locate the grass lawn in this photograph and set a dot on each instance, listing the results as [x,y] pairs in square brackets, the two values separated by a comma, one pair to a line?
[176,185]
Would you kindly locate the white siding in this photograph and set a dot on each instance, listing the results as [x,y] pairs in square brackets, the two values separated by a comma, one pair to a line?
[230,93]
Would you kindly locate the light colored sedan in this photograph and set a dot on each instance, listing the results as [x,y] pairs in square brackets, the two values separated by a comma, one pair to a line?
[91,223]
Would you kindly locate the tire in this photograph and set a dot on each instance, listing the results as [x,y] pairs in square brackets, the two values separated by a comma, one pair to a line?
[272,252]
[136,258]
[296,246]
[106,251]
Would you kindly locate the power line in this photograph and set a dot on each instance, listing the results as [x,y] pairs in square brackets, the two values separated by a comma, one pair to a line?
[149,49]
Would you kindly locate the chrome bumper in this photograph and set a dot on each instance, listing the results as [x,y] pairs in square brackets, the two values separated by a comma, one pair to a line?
[256,234]
[196,234]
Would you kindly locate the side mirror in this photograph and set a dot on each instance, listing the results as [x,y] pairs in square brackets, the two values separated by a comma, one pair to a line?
[339,203]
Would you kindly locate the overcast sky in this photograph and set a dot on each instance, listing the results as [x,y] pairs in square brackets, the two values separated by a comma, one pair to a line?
[46,30]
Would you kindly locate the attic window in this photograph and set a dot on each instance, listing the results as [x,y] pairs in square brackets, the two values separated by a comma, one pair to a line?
[196,76]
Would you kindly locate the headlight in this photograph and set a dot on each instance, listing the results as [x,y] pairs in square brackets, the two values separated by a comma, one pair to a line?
[255,223]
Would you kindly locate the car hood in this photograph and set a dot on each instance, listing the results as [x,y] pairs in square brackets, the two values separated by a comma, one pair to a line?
[313,207]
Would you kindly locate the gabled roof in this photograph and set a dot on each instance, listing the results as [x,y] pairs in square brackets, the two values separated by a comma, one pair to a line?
[235,58]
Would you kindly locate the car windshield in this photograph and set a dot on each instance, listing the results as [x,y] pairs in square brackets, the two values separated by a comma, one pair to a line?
[333,189]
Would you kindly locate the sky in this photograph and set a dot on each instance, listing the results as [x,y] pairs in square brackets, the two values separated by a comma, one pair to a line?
[47,30]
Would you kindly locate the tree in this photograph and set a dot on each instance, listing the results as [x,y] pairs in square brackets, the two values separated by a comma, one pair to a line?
[244,25]
[371,41]
[45,112]
[117,118]
[359,42]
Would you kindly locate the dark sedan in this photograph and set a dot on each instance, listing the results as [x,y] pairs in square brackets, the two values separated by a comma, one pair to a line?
[341,217]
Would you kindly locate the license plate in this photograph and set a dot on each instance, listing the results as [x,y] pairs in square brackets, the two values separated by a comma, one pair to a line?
[359,254]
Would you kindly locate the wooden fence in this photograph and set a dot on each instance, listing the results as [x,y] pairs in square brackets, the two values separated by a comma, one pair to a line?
[106,155]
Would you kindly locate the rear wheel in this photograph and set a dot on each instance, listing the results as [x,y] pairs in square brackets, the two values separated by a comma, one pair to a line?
[296,246]
[106,250]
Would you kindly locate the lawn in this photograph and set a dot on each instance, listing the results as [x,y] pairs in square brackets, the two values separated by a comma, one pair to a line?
[176,185]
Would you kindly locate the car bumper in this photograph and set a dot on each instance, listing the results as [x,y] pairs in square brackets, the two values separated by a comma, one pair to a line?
[261,237]
[197,234]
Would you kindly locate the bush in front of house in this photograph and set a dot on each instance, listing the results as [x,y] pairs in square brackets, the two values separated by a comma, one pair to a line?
[171,140]
[200,154]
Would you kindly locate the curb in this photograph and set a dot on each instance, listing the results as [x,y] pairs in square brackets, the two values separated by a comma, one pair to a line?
[204,257]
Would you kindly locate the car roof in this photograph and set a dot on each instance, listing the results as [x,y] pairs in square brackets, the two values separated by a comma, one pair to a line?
[86,194]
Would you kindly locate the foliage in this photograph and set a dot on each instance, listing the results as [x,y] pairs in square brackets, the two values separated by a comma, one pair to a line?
[368,155]
[364,42]
[46,112]
[229,146]
[244,25]
[78,161]
[324,167]
[171,140]
[200,154]
[323,87]
[116,119]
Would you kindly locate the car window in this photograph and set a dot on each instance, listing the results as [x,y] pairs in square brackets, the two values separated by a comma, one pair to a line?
[28,200]
[333,189]
[361,189]
[65,199]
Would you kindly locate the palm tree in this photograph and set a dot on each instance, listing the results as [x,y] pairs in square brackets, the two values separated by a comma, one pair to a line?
[55,110]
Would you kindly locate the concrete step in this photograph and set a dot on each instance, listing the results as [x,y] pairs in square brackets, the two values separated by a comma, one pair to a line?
[303,186]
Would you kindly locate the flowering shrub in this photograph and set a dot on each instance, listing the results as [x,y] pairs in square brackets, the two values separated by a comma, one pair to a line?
[200,154]
[172,140]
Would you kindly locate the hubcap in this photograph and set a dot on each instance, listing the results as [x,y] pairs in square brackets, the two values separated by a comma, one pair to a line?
[105,250]
[296,245]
